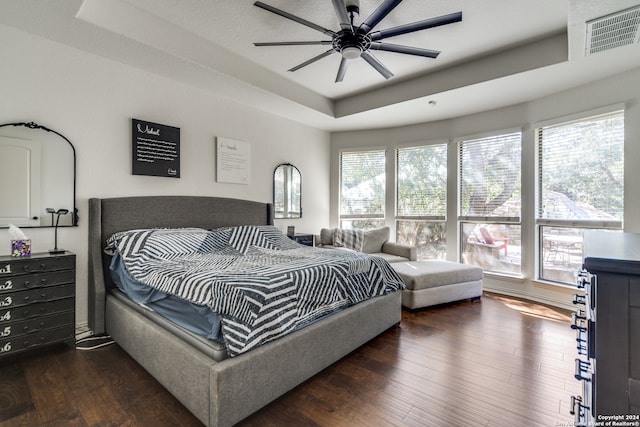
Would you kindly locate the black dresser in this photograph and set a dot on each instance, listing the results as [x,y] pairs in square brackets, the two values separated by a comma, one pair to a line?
[607,325]
[37,301]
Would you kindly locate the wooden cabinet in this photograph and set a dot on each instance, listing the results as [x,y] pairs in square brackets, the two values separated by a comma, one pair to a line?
[610,366]
[37,301]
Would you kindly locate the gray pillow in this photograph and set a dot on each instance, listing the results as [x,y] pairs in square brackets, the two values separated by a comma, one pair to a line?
[374,239]
[351,239]
[326,236]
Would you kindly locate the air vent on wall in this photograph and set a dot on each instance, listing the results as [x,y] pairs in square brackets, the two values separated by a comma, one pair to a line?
[615,30]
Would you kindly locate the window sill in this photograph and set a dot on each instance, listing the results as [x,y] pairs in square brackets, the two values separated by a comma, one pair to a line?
[503,277]
[554,285]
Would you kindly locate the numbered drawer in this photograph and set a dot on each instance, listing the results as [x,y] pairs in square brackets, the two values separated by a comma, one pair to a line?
[31,341]
[11,266]
[21,298]
[35,281]
[35,310]
[39,324]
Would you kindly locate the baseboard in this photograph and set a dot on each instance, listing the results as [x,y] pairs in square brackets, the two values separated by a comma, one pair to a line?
[567,305]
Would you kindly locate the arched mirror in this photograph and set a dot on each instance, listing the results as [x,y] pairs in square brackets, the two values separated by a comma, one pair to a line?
[287,191]
[37,177]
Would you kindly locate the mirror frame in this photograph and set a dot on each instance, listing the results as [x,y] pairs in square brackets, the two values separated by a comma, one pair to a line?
[286,216]
[74,211]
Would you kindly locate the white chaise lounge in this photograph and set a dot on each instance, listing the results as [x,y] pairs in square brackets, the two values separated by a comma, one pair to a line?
[433,282]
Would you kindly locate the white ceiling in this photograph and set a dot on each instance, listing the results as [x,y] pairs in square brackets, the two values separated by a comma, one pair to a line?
[502,53]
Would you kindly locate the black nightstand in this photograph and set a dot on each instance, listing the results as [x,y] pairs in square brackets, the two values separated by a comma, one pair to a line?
[304,239]
[37,301]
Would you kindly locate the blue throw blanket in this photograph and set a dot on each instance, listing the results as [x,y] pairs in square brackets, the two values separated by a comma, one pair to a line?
[262,284]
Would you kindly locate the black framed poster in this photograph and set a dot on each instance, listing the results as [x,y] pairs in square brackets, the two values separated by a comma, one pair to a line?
[156,149]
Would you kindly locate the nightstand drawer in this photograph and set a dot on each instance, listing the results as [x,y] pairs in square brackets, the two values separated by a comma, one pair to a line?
[36,295]
[35,281]
[39,324]
[27,342]
[37,263]
[36,310]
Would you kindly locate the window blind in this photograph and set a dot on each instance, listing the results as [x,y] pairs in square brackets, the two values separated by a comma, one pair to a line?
[581,170]
[362,184]
[490,177]
[422,182]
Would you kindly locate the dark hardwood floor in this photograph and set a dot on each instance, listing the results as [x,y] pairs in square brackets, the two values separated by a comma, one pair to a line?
[498,362]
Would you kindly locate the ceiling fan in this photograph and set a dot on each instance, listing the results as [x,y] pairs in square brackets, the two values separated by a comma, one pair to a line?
[356,41]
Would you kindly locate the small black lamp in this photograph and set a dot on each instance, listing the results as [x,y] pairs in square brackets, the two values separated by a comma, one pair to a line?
[55,249]
[51,211]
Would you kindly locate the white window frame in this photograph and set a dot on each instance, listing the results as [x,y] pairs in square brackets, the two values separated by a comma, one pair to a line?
[462,219]
[422,218]
[540,223]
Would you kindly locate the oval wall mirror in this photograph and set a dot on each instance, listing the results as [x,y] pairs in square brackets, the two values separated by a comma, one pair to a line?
[287,191]
[37,177]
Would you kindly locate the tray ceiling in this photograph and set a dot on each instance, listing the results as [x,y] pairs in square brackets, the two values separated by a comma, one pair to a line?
[502,53]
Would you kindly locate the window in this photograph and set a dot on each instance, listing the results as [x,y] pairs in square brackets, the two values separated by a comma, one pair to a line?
[489,202]
[421,199]
[362,189]
[580,187]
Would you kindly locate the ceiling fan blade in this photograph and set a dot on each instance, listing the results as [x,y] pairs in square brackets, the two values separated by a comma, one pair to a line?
[293,18]
[342,70]
[389,47]
[341,13]
[373,61]
[378,15]
[417,26]
[312,60]
[321,42]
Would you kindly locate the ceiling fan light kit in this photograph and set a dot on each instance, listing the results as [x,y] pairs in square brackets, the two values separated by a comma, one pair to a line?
[351,52]
[356,41]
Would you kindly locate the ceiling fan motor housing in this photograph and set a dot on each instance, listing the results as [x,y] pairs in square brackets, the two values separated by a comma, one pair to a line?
[350,45]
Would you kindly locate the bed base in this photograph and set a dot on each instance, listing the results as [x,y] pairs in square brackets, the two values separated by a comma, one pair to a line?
[223,393]
[217,393]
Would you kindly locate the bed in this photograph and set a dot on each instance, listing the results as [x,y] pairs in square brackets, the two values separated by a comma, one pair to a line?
[219,391]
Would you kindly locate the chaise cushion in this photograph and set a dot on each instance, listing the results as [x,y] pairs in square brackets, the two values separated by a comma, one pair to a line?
[433,273]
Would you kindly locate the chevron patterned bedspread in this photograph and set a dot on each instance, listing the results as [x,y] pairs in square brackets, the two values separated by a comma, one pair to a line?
[262,284]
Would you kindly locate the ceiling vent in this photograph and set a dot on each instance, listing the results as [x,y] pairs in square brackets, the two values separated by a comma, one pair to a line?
[615,30]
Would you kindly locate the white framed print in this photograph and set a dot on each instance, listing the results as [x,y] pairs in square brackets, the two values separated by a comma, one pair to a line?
[233,161]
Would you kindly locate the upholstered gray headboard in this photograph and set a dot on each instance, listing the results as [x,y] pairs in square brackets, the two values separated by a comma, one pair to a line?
[108,216]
